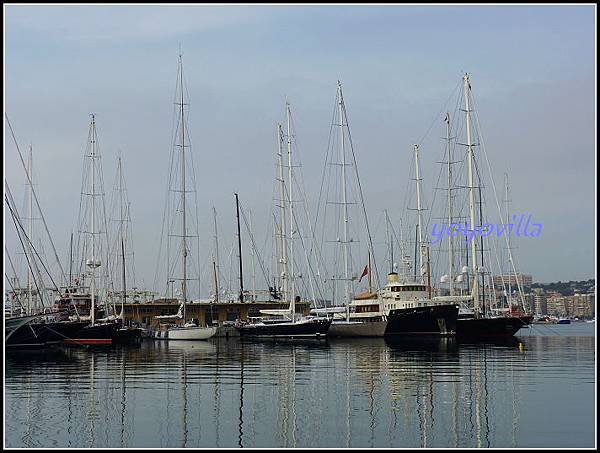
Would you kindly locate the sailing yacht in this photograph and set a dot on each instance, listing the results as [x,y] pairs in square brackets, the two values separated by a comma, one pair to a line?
[187,329]
[481,323]
[125,333]
[98,331]
[355,315]
[283,322]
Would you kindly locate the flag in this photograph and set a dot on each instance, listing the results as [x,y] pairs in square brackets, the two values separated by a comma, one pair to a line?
[365,271]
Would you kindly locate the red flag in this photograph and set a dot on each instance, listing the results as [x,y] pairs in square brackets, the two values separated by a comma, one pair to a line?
[365,271]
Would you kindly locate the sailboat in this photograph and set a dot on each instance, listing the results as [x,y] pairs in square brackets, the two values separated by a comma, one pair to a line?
[481,323]
[125,333]
[283,322]
[98,332]
[189,329]
[355,315]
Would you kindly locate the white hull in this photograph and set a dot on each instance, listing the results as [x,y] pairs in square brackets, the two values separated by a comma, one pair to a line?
[357,329]
[190,333]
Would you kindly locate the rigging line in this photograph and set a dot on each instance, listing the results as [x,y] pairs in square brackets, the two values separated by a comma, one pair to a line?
[14,291]
[12,266]
[35,197]
[260,261]
[109,285]
[299,184]
[361,193]
[326,157]
[496,196]
[440,112]
[167,204]
[84,209]
[31,244]
[310,271]
[35,280]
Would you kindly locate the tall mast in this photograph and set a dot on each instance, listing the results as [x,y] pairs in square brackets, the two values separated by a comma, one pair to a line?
[369,273]
[253,256]
[345,204]
[71,260]
[290,191]
[216,260]
[415,255]
[387,235]
[428,273]
[237,206]
[404,263]
[475,290]
[508,299]
[450,241]
[122,229]
[93,264]
[184,232]
[283,247]
[29,273]
[124,286]
[420,217]
[482,268]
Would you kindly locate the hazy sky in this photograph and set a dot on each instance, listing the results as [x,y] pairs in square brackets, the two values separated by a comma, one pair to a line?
[532,70]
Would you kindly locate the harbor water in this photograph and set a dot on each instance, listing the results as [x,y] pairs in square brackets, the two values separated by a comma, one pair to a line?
[535,391]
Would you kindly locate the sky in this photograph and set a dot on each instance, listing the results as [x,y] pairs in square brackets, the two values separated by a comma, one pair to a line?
[532,71]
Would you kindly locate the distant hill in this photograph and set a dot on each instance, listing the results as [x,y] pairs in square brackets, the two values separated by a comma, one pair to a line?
[568,288]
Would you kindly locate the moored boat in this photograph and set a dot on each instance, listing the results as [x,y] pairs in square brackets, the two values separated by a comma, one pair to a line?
[411,312]
[304,327]
[43,333]
[501,326]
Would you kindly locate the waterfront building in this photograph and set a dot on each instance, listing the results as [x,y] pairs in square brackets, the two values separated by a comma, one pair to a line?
[540,305]
[581,305]
[206,311]
[557,304]
[523,279]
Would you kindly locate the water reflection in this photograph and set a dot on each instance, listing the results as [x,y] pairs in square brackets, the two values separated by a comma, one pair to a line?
[363,393]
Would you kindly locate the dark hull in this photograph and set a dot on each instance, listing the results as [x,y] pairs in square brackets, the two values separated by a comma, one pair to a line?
[97,335]
[127,335]
[41,335]
[481,328]
[315,328]
[435,320]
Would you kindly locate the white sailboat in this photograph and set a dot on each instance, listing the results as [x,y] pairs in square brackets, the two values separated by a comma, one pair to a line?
[191,329]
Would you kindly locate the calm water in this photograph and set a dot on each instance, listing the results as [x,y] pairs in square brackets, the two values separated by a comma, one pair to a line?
[538,391]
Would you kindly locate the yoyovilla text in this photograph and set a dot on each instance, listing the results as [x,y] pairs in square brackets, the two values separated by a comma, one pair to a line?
[523,228]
